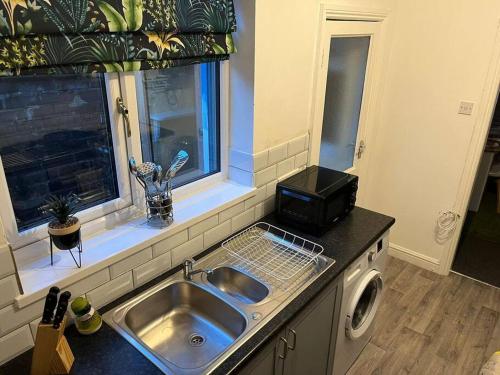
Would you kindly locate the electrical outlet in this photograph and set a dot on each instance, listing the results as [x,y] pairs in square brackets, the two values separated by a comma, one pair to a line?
[465,108]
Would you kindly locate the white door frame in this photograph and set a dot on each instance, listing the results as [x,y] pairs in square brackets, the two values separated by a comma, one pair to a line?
[371,97]
[486,109]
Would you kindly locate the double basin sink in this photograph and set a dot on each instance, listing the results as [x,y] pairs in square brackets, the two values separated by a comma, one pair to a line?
[191,326]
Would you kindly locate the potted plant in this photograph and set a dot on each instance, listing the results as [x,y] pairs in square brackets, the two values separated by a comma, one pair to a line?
[64,229]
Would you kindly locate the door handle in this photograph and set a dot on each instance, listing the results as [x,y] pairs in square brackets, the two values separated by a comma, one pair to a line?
[123,110]
[283,355]
[292,346]
[361,149]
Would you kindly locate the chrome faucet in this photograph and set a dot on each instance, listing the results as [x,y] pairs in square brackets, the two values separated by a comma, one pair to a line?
[189,272]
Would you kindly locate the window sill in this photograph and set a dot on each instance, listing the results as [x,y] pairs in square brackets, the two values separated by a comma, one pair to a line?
[114,244]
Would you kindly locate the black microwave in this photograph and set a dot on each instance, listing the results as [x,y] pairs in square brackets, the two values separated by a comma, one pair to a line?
[315,198]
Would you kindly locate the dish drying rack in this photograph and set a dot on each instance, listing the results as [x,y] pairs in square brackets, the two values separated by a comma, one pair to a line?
[270,250]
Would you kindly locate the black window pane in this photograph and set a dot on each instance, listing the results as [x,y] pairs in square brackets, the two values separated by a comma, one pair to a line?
[55,138]
[179,110]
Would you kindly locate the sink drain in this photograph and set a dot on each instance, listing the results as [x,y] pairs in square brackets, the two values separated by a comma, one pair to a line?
[196,340]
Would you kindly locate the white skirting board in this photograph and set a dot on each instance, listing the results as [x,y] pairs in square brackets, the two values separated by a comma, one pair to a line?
[413,257]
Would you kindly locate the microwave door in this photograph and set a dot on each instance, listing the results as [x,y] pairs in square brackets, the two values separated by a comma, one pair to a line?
[299,207]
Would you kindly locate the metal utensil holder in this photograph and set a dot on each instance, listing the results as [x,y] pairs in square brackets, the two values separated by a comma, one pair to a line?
[157,185]
[159,209]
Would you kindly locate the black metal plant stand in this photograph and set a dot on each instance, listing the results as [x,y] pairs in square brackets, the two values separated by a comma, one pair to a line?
[79,247]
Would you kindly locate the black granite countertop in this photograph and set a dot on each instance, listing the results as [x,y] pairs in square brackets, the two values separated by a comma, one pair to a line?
[106,352]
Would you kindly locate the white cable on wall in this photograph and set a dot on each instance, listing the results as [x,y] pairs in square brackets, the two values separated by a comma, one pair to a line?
[446,224]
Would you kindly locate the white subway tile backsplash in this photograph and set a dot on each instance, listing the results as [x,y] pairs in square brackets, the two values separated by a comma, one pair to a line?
[259,211]
[284,167]
[231,211]
[169,243]
[15,343]
[132,261]
[296,145]
[277,154]
[289,174]
[260,195]
[240,176]
[111,290]
[34,327]
[217,234]
[260,160]
[242,220]
[12,318]
[6,263]
[187,250]
[268,206]
[91,282]
[8,290]
[265,176]
[271,188]
[151,269]
[202,226]
[301,159]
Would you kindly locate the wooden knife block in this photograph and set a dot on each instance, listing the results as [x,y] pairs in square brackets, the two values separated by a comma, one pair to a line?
[52,354]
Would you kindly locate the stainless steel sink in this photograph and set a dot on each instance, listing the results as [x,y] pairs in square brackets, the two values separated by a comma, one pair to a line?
[237,284]
[190,327]
[185,324]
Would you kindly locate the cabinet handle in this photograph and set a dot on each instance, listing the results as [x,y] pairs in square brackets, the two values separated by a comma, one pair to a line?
[292,346]
[285,348]
[283,355]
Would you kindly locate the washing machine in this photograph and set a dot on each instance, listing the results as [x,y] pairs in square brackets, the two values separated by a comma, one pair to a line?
[362,291]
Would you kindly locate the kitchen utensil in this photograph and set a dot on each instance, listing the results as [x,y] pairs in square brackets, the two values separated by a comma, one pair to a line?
[158,193]
[146,170]
[50,305]
[177,163]
[62,306]
[157,174]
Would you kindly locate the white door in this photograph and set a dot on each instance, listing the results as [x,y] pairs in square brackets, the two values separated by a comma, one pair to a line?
[339,137]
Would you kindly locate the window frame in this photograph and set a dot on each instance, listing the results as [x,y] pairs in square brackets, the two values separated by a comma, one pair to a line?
[129,95]
[19,239]
[131,200]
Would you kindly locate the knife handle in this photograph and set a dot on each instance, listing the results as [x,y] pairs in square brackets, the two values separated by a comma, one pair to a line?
[62,306]
[50,305]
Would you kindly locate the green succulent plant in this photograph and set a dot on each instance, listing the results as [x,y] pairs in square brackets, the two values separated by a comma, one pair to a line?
[62,207]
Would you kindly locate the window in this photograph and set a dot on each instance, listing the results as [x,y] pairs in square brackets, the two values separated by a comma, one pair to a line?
[55,138]
[62,134]
[178,110]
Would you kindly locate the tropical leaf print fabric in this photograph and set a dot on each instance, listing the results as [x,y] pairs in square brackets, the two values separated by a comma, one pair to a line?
[67,36]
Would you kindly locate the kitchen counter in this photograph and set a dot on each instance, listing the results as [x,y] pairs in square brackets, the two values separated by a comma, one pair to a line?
[106,352]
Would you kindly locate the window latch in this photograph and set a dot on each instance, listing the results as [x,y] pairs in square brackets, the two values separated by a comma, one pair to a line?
[123,110]
[361,149]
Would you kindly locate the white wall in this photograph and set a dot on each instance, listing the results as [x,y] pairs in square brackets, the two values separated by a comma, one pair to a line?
[286,34]
[440,54]
[241,106]
[284,56]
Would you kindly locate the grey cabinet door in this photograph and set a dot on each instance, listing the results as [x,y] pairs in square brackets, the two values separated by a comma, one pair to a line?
[310,336]
[266,362]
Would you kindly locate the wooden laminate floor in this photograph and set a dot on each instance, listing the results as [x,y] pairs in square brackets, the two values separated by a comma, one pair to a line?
[431,324]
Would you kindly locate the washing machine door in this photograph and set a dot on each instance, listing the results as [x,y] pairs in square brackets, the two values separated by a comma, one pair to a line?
[364,304]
